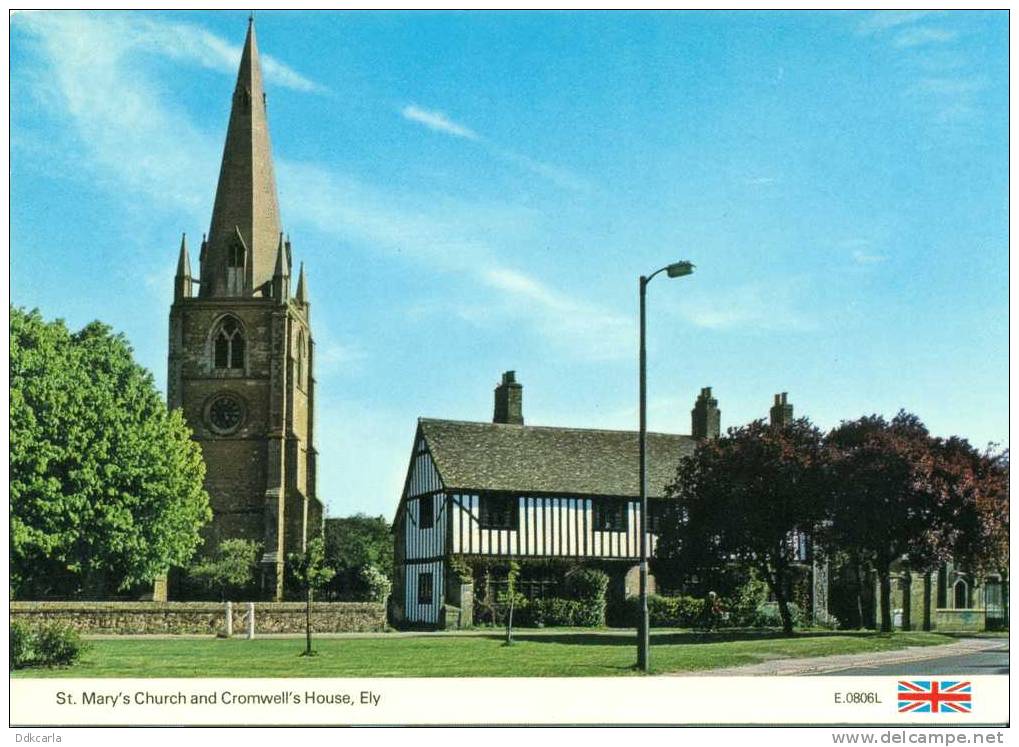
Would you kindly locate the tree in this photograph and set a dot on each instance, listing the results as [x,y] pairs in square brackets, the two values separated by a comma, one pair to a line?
[891,497]
[977,536]
[980,524]
[510,598]
[311,573]
[353,544]
[231,568]
[747,497]
[105,483]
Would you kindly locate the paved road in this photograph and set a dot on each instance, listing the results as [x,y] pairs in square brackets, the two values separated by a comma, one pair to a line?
[977,662]
[965,656]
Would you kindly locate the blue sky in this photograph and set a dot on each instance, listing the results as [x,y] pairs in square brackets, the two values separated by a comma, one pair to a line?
[477,192]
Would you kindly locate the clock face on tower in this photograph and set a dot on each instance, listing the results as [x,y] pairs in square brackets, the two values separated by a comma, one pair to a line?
[225,413]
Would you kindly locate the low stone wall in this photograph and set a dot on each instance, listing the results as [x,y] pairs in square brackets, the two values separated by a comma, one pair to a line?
[957,621]
[201,617]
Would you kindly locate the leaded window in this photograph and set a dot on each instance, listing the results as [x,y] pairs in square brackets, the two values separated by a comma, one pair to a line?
[426,512]
[425,588]
[498,512]
[610,515]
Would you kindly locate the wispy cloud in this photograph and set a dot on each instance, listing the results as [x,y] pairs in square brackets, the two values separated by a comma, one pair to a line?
[128,134]
[951,86]
[867,258]
[437,121]
[331,355]
[452,237]
[584,328]
[559,176]
[747,307]
[884,20]
[185,42]
[951,99]
[916,37]
[926,48]
[760,181]
[124,133]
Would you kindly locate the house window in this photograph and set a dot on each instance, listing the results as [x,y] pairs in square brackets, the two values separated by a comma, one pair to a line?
[425,588]
[228,343]
[498,512]
[610,515]
[426,512]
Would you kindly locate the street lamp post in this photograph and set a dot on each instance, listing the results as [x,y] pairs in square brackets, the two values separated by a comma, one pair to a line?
[675,270]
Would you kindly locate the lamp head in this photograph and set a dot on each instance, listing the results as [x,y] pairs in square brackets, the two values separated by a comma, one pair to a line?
[679,269]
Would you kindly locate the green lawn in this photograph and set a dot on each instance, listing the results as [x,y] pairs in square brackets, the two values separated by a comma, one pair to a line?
[535,654]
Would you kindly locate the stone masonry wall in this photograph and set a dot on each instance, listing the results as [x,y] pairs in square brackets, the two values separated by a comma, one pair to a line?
[126,618]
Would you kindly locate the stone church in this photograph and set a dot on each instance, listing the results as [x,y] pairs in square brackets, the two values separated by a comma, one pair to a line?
[241,351]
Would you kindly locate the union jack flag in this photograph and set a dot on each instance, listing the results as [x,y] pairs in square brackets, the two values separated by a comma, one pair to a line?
[928,696]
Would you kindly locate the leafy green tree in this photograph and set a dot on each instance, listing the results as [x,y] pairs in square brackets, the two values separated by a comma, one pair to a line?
[510,597]
[311,573]
[379,585]
[353,544]
[230,569]
[746,497]
[105,483]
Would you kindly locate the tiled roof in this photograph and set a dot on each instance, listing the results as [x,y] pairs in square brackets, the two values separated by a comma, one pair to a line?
[527,458]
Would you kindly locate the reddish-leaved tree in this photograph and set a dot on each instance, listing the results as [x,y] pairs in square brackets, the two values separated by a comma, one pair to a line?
[747,497]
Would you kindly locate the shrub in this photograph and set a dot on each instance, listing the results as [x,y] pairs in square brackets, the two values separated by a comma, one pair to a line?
[589,613]
[667,612]
[556,611]
[587,584]
[58,645]
[378,583]
[461,569]
[22,644]
[745,600]
[768,616]
[47,646]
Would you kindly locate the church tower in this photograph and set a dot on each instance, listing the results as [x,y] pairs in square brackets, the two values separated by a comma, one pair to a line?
[241,351]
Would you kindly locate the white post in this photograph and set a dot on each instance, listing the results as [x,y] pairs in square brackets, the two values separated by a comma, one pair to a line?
[229,619]
[251,620]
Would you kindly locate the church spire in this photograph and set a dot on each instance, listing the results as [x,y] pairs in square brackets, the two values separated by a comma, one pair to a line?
[302,288]
[182,280]
[246,201]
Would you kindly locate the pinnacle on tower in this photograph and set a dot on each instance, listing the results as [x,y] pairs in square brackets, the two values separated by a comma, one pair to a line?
[302,288]
[182,280]
[281,274]
[246,200]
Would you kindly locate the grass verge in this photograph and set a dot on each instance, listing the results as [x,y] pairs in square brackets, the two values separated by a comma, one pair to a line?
[545,654]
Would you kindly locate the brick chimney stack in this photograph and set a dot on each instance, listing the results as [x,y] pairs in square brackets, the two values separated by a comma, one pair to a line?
[509,401]
[781,411]
[705,416]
